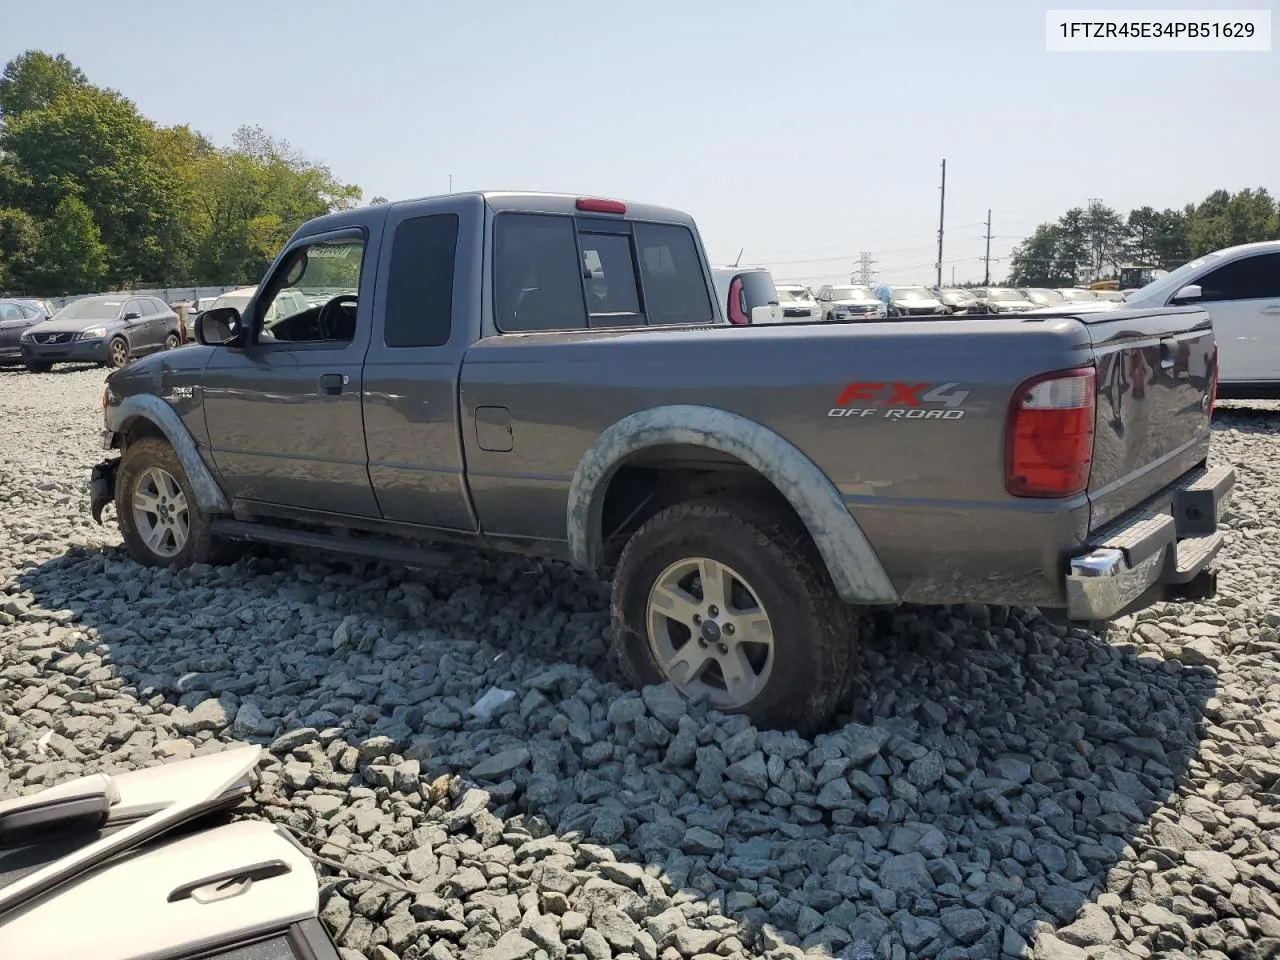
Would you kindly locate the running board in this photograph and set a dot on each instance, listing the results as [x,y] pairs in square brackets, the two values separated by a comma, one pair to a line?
[358,546]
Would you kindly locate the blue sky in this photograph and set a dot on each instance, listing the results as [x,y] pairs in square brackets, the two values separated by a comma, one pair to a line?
[803,131]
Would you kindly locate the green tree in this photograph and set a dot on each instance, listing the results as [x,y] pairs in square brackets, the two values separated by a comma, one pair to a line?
[33,80]
[94,145]
[70,255]
[163,203]
[19,248]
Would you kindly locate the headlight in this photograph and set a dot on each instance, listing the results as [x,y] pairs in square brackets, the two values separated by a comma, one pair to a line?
[93,333]
[26,335]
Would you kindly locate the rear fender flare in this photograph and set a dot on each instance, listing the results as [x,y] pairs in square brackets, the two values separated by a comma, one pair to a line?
[850,559]
[209,496]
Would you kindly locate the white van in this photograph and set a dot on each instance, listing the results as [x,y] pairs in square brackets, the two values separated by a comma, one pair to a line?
[747,295]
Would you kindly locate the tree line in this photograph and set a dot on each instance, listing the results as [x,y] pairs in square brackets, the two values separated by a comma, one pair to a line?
[1091,243]
[95,196]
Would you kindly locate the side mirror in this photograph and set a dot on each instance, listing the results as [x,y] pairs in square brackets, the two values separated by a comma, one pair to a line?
[1191,291]
[219,327]
[131,315]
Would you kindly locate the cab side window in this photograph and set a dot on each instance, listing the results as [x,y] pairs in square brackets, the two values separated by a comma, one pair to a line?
[537,280]
[1253,278]
[419,310]
[327,273]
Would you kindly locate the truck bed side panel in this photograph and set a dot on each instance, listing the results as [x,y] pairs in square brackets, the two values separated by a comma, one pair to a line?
[906,418]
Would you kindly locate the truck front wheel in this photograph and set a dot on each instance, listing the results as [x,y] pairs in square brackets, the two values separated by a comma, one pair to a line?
[732,604]
[156,508]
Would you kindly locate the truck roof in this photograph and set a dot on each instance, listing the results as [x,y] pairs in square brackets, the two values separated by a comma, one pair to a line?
[499,200]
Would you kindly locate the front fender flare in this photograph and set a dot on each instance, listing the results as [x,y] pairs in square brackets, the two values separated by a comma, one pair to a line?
[209,496]
[850,560]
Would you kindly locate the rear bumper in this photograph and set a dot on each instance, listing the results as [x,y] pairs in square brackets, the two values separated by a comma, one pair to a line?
[1162,551]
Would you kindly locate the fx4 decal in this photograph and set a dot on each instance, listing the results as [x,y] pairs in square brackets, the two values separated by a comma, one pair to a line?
[901,401]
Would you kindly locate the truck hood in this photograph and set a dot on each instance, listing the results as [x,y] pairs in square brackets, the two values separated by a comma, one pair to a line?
[73,326]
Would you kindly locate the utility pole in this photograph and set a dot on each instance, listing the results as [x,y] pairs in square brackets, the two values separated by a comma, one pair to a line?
[942,209]
[865,273]
[953,274]
[986,260]
[451,183]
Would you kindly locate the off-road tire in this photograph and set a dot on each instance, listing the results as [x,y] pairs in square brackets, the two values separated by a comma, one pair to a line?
[201,545]
[36,366]
[814,632]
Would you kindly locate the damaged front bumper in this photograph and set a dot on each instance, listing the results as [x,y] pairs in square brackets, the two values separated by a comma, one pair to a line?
[102,487]
[1161,552]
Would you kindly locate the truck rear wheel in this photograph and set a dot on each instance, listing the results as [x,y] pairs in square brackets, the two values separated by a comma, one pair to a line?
[156,508]
[732,604]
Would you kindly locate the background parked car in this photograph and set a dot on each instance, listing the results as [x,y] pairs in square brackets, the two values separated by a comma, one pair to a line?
[1077,294]
[1003,300]
[798,303]
[958,300]
[1239,287]
[747,295]
[15,317]
[904,301]
[852,302]
[1043,296]
[1115,296]
[110,330]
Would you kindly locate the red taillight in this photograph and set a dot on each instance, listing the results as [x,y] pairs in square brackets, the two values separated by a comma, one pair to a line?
[1049,435]
[737,308]
[595,205]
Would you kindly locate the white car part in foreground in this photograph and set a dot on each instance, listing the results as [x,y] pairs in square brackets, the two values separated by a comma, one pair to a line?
[116,867]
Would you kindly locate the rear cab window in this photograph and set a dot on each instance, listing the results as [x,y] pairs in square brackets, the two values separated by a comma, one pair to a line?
[561,272]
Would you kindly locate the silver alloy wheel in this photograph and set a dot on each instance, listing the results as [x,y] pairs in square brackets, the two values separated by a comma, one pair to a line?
[160,512]
[119,352]
[709,633]
[171,342]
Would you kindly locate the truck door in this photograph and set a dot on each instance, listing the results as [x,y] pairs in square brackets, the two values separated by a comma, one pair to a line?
[283,414]
[428,297]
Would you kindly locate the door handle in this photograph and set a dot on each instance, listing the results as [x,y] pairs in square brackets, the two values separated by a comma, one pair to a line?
[332,383]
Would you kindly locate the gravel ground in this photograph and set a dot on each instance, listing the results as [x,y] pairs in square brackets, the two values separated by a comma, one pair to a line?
[1004,784]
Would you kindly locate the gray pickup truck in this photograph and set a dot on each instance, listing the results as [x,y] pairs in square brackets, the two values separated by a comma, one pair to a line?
[552,375]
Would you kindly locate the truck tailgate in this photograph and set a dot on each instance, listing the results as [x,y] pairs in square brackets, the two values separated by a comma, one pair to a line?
[1155,372]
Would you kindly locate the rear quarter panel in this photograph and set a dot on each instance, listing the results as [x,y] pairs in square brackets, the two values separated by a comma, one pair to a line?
[928,490]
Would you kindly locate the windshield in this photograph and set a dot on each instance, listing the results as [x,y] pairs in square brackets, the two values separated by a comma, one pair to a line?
[911,293]
[1169,284]
[1046,296]
[789,294]
[91,308]
[852,293]
[955,296]
[1004,293]
[1077,295]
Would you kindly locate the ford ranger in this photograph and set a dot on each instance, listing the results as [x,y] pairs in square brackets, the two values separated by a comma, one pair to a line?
[553,375]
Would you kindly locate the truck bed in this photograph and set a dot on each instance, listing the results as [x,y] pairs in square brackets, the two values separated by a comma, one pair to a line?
[907,419]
